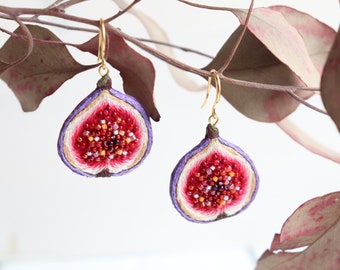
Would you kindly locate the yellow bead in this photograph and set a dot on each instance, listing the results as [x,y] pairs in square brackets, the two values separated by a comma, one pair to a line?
[231,173]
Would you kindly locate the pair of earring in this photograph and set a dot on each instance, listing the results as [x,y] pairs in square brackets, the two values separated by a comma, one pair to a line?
[109,134]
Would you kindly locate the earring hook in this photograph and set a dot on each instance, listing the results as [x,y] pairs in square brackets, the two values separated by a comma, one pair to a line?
[102,48]
[213,119]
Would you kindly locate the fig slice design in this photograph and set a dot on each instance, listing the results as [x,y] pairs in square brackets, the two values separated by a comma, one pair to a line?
[215,180]
[108,134]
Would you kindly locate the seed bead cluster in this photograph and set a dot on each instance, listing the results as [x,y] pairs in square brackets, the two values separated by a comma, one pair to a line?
[215,183]
[110,134]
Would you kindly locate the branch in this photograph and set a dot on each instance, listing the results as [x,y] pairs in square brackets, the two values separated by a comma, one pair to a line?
[304,102]
[30,43]
[239,39]
[16,12]
[184,49]
[208,7]
[67,4]
[119,13]
[205,73]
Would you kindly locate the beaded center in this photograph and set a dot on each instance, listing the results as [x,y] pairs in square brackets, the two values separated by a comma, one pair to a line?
[110,134]
[214,183]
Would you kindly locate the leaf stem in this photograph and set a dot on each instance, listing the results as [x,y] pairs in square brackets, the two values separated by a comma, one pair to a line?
[304,102]
[239,39]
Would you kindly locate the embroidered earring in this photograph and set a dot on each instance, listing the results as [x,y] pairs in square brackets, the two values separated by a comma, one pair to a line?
[216,179]
[109,133]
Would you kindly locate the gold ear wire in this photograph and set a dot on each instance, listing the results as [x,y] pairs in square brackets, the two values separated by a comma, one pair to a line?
[102,48]
[213,119]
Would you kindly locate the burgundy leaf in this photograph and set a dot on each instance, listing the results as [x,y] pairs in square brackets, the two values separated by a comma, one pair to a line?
[4,66]
[137,72]
[254,62]
[317,36]
[47,67]
[315,224]
[330,83]
[283,39]
[282,46]
[309,222]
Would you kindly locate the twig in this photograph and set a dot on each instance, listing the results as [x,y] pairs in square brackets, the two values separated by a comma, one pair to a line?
[205,73]
[184,49]
[16,12]
[67,4]
[121,12]
[206,6]
[29,38]
[36,20]
[304,102]
[239,39]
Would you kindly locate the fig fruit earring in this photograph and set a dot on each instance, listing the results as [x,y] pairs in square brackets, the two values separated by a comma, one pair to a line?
[216,179]
[109,133]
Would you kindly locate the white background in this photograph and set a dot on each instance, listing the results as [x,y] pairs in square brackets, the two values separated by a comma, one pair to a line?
[51,218]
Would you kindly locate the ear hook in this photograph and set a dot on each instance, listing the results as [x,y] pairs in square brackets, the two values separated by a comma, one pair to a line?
[102,48]
[213,119]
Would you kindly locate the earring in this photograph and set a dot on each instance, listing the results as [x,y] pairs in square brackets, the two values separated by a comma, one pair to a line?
[216,179]
[109,133]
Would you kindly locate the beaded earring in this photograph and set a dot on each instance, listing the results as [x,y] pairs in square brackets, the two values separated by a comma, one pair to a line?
[109,133]
[216,179]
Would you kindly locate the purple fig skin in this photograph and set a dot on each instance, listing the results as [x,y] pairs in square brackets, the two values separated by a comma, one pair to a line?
[212,134]
[82,106]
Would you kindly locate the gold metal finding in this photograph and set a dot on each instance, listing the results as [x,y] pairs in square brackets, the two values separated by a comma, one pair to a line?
[102,49]
[213,118]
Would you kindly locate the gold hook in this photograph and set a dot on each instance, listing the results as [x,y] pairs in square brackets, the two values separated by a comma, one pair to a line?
[102,48]
[213,119]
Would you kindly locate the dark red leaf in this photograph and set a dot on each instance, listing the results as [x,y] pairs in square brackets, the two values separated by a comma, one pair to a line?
[282,46]
[330,83]
[137,71]
[47,67]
